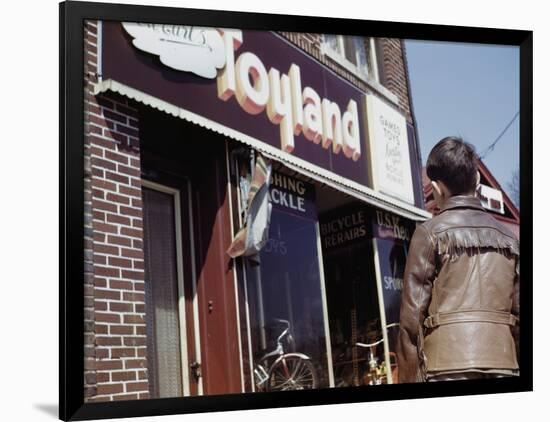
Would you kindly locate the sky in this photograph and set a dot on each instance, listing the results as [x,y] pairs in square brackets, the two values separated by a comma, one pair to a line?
[469,90]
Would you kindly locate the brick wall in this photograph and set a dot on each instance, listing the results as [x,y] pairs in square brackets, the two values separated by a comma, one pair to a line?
[393,70]
[115,342]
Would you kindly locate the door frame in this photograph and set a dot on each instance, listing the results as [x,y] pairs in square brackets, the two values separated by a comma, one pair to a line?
[182,319]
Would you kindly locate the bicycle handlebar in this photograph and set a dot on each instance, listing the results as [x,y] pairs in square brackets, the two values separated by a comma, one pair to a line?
[370,344]
[282,321]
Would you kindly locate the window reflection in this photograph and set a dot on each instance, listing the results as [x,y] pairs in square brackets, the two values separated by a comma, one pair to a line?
[285,284]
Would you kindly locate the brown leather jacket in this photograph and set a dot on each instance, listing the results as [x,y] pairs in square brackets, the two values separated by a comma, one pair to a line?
[460,298]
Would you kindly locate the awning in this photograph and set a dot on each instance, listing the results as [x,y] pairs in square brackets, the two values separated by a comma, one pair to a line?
[299,165]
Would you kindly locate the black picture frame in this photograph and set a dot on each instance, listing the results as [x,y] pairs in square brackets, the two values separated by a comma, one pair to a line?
[71,126]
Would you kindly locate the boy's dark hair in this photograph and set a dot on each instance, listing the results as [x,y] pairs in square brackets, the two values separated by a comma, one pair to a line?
[453,162]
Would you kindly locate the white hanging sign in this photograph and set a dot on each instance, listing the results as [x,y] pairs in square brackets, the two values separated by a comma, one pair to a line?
[389,149]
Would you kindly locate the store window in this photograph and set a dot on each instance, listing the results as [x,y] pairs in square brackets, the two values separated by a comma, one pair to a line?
[284,283]
[392,235]
[352,296]
[356,54]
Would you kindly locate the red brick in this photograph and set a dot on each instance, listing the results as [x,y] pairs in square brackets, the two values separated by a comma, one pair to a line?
[117,240]
[105,228]
[102,205]
[130,191]
[101,329]
[131,232]
[96,152]
[113,156]
[98,215]
[100,259]
[134,275]
[133,319]
[104,184]
[107,294]
[139,265]
[120,284]
[113,197]
[102,142]
[127,130]
[130,211]
[121,329]
[108,341]
[100,305]
[120,262]
[103,376]
[109,389]
[135,364]
[141,330]
[140,307]
[135,341]
[97,120]
[102,353]
[114,116]
[107,365]
[106,249]
[137,222]
[107,317]
[139,286]
[99,194]
[107,271]
[116,177]
[124,376]
[137,386]
[118,219]
[129,170]
[104,164]
[100,282]
[131,253]
[123,352]
[120,307]
[118,137]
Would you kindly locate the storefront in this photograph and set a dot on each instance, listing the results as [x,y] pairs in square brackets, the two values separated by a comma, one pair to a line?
[177,121]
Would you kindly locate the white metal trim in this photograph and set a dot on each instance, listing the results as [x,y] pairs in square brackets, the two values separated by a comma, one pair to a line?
[382,309]
[328,340]
[181,292]
[235,285]
[245,284]
[350,187]
[99,50]
[194,283]
[374,60]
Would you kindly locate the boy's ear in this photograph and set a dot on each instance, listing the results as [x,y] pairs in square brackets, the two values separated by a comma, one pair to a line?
[436,188]
[478,178]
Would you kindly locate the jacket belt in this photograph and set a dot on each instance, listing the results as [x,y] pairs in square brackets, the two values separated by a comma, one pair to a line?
[470,315]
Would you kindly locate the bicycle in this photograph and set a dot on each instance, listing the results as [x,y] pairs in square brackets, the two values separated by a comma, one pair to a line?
[288,371]
[377,373]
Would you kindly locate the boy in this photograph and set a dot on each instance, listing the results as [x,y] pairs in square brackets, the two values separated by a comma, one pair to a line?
[460,301]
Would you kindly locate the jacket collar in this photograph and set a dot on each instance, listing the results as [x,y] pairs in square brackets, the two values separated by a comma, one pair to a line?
[462,201]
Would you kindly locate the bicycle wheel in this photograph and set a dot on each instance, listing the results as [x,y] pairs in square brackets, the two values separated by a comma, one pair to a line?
[292,372]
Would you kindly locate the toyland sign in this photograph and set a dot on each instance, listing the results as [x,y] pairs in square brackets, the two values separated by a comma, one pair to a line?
[264,87]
